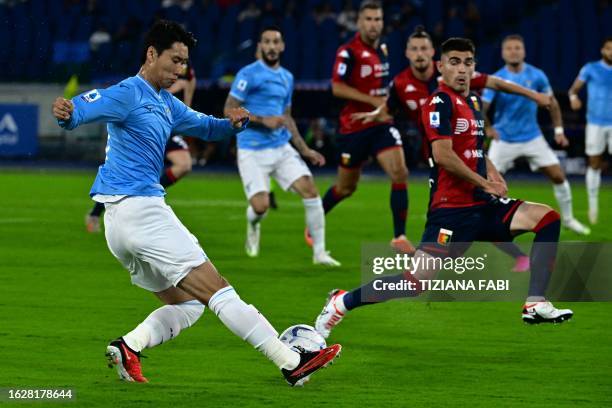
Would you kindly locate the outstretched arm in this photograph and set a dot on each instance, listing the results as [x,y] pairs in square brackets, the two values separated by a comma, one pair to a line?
[499,84]
[197,124]
[112,104]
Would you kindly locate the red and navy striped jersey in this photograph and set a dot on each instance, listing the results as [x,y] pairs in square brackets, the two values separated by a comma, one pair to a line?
[366,69]
[449,115]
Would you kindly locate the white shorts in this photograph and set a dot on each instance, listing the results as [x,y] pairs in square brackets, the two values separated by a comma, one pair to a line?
[597,137]
[256,166]
[536,151]
[145,235]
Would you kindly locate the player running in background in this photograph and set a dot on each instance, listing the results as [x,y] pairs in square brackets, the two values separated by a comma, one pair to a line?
[177,160]
[265,89]
[467,200]
[143,232]
[598,77]
[360,76]
[516,133]
[410,89]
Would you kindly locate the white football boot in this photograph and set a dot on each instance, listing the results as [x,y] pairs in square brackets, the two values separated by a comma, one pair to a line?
[324,258]
[330,316]
[576,226]
[251,244]
[544,312]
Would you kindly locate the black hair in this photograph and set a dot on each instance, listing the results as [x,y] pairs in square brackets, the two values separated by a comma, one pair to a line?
[163,34]
[370,5]
[271,28]
[419,32]
[515,37]
[458,44]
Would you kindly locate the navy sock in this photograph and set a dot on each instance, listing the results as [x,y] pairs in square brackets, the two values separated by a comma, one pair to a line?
[399,208]
[367,294]
[167,178]
[544,253]
[97,210]
[510,248]
[331,198]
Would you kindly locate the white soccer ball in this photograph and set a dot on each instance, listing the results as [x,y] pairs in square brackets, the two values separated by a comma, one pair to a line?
[304,336]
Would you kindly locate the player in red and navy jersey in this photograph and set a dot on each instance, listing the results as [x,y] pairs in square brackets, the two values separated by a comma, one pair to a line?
[177,159]
[360,76]
[410,89]
[467,202]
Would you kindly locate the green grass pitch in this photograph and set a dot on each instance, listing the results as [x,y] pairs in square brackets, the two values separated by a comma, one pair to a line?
[63,297]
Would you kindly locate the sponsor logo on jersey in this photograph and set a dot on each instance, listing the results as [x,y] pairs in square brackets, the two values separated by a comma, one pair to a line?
[444,236]
[436,100]
[366,70]
[461,126]
[473,154]
[434,119]
[475,102]
[91,96]
[410,88]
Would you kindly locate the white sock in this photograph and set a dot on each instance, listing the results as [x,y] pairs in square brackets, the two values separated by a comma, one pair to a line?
[246,322]
[563,194]
[315,220]
[164,324]
[253,217]
[593,181]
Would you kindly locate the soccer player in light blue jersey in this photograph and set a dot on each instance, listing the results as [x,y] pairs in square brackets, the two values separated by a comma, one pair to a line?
[516,132]
[597,75]
[264,149]
[143,232]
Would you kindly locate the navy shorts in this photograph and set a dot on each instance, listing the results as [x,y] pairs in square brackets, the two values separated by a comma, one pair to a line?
[450,231]
[355,148]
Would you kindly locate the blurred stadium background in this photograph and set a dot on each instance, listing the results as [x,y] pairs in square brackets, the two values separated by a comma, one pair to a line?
[49,48]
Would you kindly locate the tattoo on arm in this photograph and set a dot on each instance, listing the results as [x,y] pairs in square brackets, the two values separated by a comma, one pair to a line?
[296,138]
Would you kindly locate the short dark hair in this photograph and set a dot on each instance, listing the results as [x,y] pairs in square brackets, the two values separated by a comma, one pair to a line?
[419,32]
[606,40]
[458,44]
[163,34]
[513,37]
[271,28]
[370,5]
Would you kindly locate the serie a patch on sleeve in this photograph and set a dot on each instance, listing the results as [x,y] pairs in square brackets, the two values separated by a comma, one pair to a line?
[434,119]
[91,96]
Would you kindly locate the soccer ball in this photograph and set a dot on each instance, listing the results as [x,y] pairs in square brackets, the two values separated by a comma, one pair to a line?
[303,336]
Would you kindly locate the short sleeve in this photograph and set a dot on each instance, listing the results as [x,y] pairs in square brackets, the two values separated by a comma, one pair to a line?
[343,65]
[543,85]
[287,101]
[436,116]
[241,85]
[488,95]
[585,73]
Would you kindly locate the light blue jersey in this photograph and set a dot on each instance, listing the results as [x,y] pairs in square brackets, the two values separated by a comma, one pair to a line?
[598,77]
[139,122]
[264,91]
[516,117]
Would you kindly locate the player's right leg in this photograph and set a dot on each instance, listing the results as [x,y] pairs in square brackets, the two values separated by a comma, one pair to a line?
[255,176]
[595,145]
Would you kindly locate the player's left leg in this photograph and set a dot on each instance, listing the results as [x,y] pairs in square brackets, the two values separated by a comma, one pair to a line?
[180,165]
[392,161]
[181,311]
[545,223]
[563,194]
[315,219]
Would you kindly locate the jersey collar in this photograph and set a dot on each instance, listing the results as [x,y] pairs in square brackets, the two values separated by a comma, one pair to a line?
[144,81]
[265,66]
